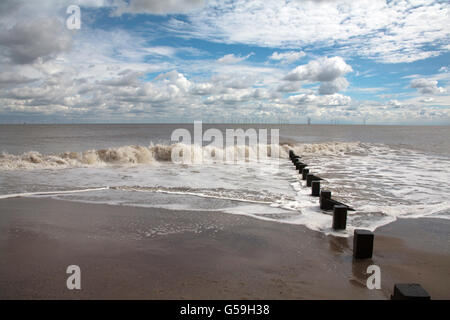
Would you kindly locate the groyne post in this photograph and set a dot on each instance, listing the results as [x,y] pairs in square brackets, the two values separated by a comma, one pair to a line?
[304,173]
[315,188]
[409,291]
[324,196]
[362,244]
[339,217]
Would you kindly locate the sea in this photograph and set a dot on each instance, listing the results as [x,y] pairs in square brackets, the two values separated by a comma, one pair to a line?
[383,172]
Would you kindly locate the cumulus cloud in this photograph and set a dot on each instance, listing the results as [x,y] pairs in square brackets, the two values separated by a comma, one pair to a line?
[328,71]
[323,101]
[110,74]
[239,96]
[28,41]
[125,78]
[302,99]
[289,86]
[287,57]
[330,87]
[89,3]
[176,79]
[156,6]
[394,103]
[426,86]
[322,69]
[234,81]
[203,89]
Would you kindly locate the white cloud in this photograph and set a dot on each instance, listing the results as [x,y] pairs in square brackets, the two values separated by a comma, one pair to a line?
[427,100]
[12,79]
[203,89]
[387,31]
[176,79]
[125,78]
[234,81]
[161,51]
[328,71]
[90,3]
[156,6]
[238,96]
[289,86]
[394,103]
[426,86]
[109,74]
[232,59]
[311,99]
[287,57]
[330,87]
[28,41]
[322,69]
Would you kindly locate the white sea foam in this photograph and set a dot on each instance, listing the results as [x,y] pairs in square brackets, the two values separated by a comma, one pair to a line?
[135,155]
[49,193]
[381,182]
[223,194]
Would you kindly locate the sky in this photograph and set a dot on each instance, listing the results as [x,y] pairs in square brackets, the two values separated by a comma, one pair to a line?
[138,61]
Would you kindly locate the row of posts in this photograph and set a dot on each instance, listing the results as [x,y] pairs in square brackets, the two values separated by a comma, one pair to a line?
[362,239]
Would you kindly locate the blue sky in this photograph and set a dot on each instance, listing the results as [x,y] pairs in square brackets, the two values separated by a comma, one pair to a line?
[383,62]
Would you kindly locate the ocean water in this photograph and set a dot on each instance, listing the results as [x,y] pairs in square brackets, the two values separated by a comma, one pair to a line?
[383,172]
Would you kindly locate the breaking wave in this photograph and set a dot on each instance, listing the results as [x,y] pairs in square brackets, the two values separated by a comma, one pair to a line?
[136,155]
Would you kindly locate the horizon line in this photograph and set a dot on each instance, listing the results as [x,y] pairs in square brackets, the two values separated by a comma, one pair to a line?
[226,123]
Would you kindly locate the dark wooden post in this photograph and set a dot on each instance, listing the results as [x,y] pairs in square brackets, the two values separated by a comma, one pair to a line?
[362,244]
[339,217]
[315,188]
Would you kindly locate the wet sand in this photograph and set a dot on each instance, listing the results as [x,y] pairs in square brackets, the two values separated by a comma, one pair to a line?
[142,253]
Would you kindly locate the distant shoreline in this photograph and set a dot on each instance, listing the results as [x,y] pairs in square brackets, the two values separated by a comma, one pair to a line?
[226,123]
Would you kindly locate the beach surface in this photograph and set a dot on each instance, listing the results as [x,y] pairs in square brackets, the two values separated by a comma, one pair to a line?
[147,253]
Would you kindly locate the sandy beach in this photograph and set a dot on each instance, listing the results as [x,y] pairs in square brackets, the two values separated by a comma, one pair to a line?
[142,253]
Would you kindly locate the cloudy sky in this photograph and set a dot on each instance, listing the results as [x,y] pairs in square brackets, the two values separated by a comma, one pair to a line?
[383,62]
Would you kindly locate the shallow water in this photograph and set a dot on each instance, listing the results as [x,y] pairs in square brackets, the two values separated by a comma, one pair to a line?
[383,172]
